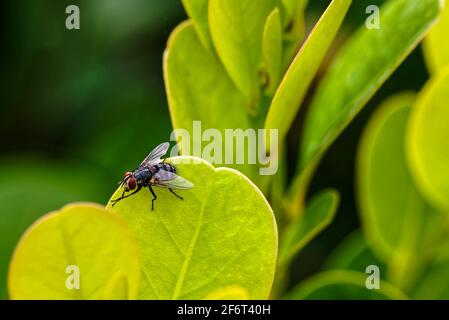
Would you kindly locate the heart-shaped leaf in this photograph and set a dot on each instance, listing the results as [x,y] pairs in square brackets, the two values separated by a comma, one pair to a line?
[427,136]
[76,253]
[222,234]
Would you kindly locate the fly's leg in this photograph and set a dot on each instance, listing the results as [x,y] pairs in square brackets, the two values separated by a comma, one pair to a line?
[171,190]
[115,201]
[154,197]
[118,199]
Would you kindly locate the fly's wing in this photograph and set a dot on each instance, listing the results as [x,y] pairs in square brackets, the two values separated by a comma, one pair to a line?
[155,156]
[168,179]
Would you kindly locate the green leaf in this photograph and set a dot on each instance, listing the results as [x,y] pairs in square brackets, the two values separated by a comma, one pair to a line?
[291,10]
[222,234]
[397,220]
[436,46]
[434,283]
[31,187]
[85,236]
[295,23]
[272,50]
[427,138]
[301,72]
[343,285]
[198,12]
[353,253]
[278,186]
[118,287]
[236,27]
[361,67]
[318,215]
[190,72]
[228,293]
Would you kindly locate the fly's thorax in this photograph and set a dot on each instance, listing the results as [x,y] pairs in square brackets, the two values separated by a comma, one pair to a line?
[143,175]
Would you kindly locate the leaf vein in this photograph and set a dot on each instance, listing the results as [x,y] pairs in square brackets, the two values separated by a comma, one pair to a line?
[189,252]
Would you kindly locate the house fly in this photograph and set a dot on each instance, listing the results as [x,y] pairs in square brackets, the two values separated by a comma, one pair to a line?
[153,171]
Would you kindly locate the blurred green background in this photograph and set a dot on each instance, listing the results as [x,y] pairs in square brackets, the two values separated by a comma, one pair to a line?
[80,107]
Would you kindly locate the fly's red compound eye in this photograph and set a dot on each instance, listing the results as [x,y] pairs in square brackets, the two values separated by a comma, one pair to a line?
[132,183]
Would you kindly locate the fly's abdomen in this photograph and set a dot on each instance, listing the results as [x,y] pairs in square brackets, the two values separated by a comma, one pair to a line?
[166,167]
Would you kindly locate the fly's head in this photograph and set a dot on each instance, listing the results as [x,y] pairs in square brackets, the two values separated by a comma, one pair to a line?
[129,182]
